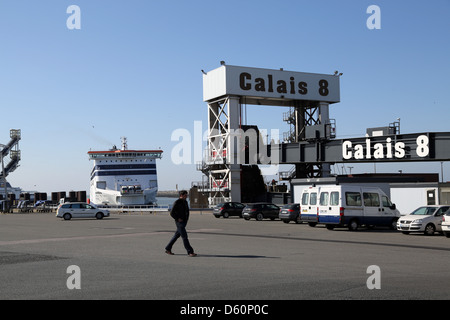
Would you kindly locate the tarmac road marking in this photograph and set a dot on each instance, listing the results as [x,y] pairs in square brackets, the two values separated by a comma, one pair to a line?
[204,230]
[34,241]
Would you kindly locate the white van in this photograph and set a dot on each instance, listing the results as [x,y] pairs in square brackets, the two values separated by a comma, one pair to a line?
[353,206]
[308,205]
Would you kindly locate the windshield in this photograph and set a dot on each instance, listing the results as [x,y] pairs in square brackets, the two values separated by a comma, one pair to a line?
[424,211]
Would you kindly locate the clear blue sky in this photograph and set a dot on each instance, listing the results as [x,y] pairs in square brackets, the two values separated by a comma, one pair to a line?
[133,69]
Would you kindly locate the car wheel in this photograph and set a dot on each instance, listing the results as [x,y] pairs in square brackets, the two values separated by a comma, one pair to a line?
[353,225]
[312,224]
[259,216]
[247,218]
[429,229]
[286,221]
[447,234]
[67,216]
[405,232]
[99,215]
[225,215]
[330,226]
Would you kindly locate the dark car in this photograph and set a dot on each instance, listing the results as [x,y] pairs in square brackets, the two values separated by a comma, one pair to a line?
[290,212]
[261,211]
[228,209]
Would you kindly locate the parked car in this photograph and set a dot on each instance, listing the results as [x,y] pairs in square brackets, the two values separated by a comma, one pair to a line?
[290,212]
[261,211]
[446,224]
[426,219]
[228,209]
[71,210]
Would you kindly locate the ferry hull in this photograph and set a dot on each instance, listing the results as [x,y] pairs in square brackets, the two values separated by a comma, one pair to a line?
[115,198]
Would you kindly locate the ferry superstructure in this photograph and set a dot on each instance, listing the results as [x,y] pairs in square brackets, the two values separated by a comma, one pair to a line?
[124,177]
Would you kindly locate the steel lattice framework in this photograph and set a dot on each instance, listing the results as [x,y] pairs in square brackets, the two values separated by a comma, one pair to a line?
[310,145]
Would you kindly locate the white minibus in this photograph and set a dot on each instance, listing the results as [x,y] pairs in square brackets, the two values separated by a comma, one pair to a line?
[351,206]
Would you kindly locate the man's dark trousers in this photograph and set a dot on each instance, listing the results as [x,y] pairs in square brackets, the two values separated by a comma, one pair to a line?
[181,231]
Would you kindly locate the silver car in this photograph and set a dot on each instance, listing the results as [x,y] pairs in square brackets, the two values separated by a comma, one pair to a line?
[71,210]
[426,219]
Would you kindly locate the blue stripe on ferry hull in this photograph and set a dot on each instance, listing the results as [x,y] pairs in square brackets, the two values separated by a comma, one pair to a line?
[124,166]
[122,173]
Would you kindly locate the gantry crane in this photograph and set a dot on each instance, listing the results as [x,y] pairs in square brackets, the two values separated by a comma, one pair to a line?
[12,148]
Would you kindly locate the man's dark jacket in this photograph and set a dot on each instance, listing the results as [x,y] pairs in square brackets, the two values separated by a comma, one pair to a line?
[180,210]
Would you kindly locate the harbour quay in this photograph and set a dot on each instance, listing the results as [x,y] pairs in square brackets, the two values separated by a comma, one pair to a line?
[122,258]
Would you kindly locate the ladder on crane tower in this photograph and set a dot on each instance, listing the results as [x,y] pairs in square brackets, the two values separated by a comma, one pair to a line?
[12,148]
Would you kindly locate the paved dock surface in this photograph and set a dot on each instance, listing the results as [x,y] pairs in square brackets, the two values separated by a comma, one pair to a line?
[122,257]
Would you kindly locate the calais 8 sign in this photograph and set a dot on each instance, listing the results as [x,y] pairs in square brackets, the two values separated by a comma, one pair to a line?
[428,146]
[269,83]
[387,149]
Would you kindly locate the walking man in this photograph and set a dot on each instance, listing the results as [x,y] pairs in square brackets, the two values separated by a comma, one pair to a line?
[180,213]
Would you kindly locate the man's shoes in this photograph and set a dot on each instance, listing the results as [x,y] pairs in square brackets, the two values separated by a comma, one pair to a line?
[169,252]
[192,254]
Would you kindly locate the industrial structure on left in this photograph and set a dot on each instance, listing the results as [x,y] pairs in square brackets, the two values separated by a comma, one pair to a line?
[11,149]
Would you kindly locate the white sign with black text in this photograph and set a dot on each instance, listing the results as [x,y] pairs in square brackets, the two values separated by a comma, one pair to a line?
[270,83]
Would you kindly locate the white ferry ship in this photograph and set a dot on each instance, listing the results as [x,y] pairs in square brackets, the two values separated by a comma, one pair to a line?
[124,177]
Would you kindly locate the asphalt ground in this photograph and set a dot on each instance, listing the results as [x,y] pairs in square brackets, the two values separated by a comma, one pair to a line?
[122,258]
